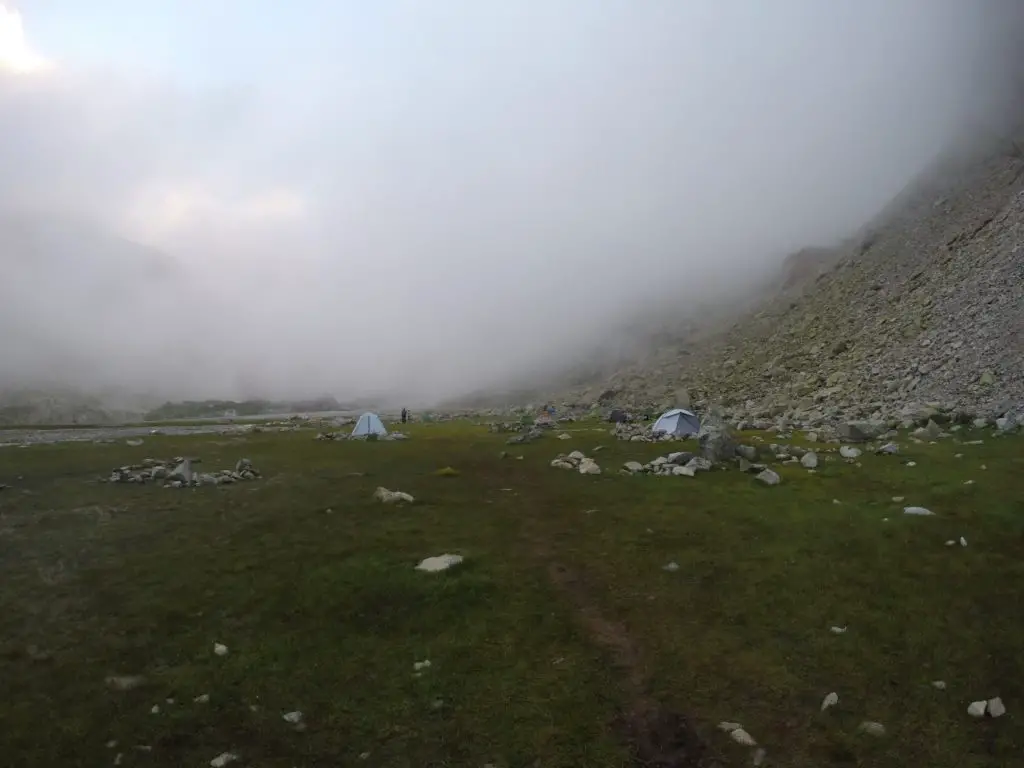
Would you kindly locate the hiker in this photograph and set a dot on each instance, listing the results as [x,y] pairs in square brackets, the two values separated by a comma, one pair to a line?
[405,415]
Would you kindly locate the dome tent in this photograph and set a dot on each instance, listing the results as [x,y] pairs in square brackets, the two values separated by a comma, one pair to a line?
[369,424]
[677,422]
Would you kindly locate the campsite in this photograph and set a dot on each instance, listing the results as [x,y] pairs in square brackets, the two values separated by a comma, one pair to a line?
[607,619]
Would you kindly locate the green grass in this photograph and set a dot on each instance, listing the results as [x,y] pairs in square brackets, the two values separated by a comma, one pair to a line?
[311,585]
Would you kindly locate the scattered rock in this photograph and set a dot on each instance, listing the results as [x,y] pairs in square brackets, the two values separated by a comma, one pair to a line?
[439,563]
[977,708]
[671,567]
[220,649]
[769,477]
[418,666]
[125,682]
[223,759]
[849,452]
[295,718]
[740,736]
[392,497]
[996,707]
[830,701]
[921,511]
[837,630]
[809,460]
[758,757]
[872,728]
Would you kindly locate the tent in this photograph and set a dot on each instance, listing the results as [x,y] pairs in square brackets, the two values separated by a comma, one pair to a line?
[677,422]
[369,424]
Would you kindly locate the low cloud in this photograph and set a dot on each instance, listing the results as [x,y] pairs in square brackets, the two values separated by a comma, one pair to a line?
[446,197]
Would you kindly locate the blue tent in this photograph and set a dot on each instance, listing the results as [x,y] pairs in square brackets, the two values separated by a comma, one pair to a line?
[369,424]
[677,422]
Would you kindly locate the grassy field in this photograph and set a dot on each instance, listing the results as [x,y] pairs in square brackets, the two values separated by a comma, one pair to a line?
[560,641]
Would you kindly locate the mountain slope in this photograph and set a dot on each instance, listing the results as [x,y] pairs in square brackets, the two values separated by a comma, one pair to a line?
[927,306]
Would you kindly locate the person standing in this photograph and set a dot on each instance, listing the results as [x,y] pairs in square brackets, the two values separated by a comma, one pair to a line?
[405,415]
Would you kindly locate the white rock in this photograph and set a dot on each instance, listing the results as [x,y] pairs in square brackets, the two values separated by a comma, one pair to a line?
[921,511]
[898,499]
[292,717]
[963,542]
[392,497]
[809,460]
[977,708]
[155,710]
[872,728]
[939,685]
[684,471]
[758,758]
[849,452]
[830,701]
[742,737]
[439,563]
[729,727]
[769,477]
[633,466]
[202,698]
[838,630]
[671,567]
[220,649]
[589,467]
[223,759]
[996,708]
[911,464]
[578,455]
[565,436]
[421,665]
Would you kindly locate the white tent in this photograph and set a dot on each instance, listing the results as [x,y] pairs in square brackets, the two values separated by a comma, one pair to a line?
[677,422]
[369,424]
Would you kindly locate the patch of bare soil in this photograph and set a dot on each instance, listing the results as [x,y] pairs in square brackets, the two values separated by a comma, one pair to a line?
[659,738]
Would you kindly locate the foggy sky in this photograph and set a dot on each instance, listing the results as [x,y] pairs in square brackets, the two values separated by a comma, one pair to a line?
[423,198]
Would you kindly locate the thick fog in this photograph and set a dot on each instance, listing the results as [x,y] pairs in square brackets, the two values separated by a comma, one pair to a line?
[421,199]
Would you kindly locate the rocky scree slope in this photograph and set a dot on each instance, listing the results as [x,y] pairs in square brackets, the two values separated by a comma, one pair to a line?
[924,313]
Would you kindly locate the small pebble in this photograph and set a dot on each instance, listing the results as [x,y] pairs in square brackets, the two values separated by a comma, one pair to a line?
[671,567]
[220,650]
[418,665]
[759,756]
[202,698]
[871,728]
[292,717]
[830,701]
[223,759]
[939,685]
[155,710]
[977,708]
[742,737]
[837,630]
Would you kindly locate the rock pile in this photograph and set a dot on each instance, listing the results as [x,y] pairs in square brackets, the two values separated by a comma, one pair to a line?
[578,461]
[528,435]
[679,464]
[640,433]
[179,473]
[390,436]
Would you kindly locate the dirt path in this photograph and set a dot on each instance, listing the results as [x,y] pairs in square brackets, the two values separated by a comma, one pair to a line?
[658,737]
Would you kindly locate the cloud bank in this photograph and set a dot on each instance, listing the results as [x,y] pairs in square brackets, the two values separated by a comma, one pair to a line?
[436,197]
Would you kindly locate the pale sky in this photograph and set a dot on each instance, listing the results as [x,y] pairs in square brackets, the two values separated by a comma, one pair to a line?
[426,197]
